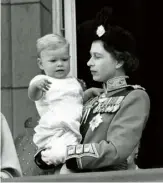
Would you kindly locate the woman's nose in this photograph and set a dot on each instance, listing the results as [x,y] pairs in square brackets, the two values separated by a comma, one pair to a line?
[90,63]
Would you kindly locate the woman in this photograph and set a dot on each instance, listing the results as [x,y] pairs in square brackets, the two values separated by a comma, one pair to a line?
[113,122]
[10,166]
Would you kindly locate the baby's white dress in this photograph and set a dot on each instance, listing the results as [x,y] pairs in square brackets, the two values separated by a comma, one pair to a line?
[60,110]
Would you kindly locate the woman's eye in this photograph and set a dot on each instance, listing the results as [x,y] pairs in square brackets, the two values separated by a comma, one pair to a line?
[97,57]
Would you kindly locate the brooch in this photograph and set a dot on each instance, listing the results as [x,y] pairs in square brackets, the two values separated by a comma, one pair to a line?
[100,30]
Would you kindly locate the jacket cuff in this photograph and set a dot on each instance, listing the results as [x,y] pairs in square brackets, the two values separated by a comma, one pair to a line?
[76,153]
[40,163]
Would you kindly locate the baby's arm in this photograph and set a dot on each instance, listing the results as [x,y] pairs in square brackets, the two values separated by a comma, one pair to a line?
[37,86]
[92,92]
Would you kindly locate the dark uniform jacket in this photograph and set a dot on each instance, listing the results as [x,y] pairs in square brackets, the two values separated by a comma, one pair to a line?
[111,128]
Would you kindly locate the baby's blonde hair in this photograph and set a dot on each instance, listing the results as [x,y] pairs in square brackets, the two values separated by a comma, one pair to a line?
[50,41]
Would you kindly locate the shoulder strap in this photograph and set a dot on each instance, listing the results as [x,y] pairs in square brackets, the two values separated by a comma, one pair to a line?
[135,87]
[127,90]
[124,92]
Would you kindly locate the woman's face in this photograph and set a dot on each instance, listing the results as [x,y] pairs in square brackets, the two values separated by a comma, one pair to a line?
[102,64]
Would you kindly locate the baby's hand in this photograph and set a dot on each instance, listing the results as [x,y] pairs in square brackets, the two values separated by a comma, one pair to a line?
[43,84]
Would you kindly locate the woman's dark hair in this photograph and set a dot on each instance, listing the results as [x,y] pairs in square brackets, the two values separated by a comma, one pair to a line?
[116,40]
[121,45]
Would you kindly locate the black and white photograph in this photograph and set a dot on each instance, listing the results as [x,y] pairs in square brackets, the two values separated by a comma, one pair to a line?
[81,91]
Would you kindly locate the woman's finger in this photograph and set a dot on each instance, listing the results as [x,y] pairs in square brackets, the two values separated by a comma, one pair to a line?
[45,153]
[97,91]
[44,158]
[48,146]
[48,162]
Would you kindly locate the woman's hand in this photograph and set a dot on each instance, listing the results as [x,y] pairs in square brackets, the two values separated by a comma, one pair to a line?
[56,150]
[92,92]
[54,155]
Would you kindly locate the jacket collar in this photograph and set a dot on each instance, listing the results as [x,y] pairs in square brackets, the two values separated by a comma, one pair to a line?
[115,83]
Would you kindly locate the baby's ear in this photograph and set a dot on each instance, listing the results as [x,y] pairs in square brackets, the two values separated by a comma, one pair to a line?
[39,62]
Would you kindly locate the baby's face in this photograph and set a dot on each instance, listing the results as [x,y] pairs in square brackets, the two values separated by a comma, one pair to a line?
[55,63]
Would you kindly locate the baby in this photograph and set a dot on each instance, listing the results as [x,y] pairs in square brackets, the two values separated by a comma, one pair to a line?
[57,95]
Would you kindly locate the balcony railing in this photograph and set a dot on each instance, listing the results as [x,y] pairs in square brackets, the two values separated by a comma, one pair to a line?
[146,175]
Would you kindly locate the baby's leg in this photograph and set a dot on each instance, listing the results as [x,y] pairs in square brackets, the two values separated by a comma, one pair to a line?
[68,138]
[50,142]
[56,149]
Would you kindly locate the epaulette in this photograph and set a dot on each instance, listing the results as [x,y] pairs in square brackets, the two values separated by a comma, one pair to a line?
[136,87]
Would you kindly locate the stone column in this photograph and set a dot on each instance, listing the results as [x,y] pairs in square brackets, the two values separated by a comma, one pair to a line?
[23,22]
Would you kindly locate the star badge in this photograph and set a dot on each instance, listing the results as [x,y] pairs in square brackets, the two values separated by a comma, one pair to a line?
[95,122]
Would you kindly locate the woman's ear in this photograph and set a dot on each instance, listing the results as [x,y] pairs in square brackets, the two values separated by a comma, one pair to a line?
[39,62]
[119,64]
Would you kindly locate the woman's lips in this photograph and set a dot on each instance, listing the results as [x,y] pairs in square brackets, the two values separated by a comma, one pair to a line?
[93,72]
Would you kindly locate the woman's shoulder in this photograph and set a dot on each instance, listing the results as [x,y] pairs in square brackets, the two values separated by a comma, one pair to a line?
[133,91]
[137,90]
[138,93]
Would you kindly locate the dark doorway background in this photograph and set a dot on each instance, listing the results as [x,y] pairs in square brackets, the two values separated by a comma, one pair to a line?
[144,20]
